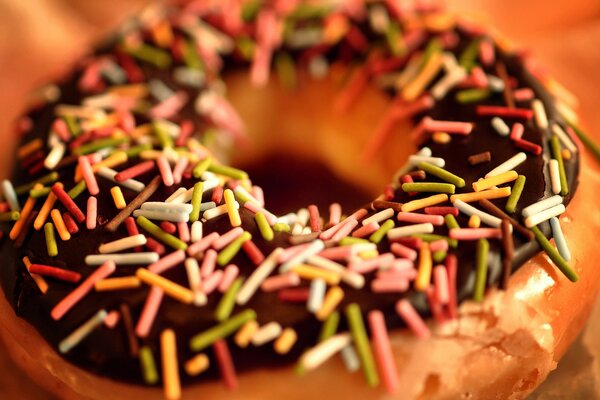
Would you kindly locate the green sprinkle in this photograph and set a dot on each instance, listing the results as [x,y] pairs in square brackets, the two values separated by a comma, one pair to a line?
[148,366]
[554,255]
[197,201]
[433,46]
[38,193]
[472,95]
[201,167]
[481,261]
[99,145]
[77,190]
[557,154]
[44,180]
[161,235]
[349,241]
[468,58]
[51,245]
[264,227]
[221,331]
[227,254]
[439,256]
[430,237]
[228,171]
[190,55]
[309,11]
[137,150]
[286,70]
[451,222]
[227,303]
[442,174]
[359,336]
[246,47]
[151,55]
[587,141]
[162,134]
[380,233]
[431,187]
[281,227]
[515,194]
[72,125]
[10,216]
[250,10]
[393,36]
[330,326]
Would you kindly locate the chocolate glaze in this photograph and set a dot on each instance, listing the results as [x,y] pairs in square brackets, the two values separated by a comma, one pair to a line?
[105,352]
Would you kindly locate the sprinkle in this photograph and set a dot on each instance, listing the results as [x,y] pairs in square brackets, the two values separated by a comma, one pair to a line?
[82,290]
[308,272]
[437,161]
[255,208]
[170,288]
[88,176]
[470,210]
[161,235]
[316,295]
[82,332]
[517,190]
[506,112]
[22,217]
[496,180]
[425,265]
[201,167]
[564,138]
[285,341]
[243,337]
[317,355]
[559,239]
[64,198]
[170,366]
[196,365]
[378,235]
[227,238]
[227,303]
[118,198]
[406,310]
[253,252]
[165,171]
[366,230]
[474,221]
[51,246]
[539,112]
[508,165]
[497,212]
[481,257]
[148,366]
[409,230]
[554,176]
[442,174]
[312,249]
[9,194]
[130,184]
[220,331]
[228,171]
[234,215]
[426,202]
[92,213]
[77,190]
[315,218]
[167,262]
[509,250]
[39,280]
[50,178]
[554,255]
[429,187]
[556,152]
[53,272]
[332,299]
[359,336]
[500,126]
[184,231]
[475,233]
[383,351]
[135,171]
[122,259]
[196,201]
[517,131]
[413,89]
[148,314]
[443,211]
[196,231]
[486,194]
[528,146]
[544,215]
[258,276]
[335,213]
[451,222]
[541,205]
[125,312]
[123,283]
[266,333]
[227,254]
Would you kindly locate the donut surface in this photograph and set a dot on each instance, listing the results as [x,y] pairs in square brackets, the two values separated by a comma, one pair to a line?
[166,88]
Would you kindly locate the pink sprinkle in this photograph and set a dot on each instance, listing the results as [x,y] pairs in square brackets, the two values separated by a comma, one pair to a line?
[230,273]
[315,218]
[167,262]
[451,127]
[155,246]
[441,211]
[151,306]
[408,179]
[407,273]
[290,252]
[366,266]
[402,265]
[337,253]
[389,286]
[388,192]
[186,130]
[90,78]
[70,223]
[92,213]
[383,351]
[524,94]
[208,264]
[179,168]
[82,290]
[475,233]
[217,194]
[165,171]
[436,307]
[253,252]
[112,319]
[227,238]
[479,78]
[366,230]
[439,245]
[335,213]
[169,107]
[417,218]
[135,171]
[516,133]
[60,127]
[212,282]
[506,112]
[277,282]
[294,295]
[88,176]
[403,251]
[225,363]
[408,313]
[184,231]
[440,280]
[451,269]
[202,244]
[347,226]
[254,208]
[126,121]
[528,146]
[358,214]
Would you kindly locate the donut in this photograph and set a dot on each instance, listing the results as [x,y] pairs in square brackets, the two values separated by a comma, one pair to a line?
[142,260]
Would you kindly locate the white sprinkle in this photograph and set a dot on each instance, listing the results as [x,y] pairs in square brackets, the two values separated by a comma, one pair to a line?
[437,161]
[195,281]
[545,215]
[301,220]
[316,295]
[312,249]
[168,207]
[218,211]
[196,231]
[122,244]
[451,79]
[9,194]
[178,193]
[243,195]
[55,155]
[500,126]
[261,273]
[131,184]
[559,239]
[409,230]
[351,278]
[508,165]
[266,333]
[351,360]
[425,152]
[564,138]
[82,332]
[541,205]
[323,351]
[554,176]
[486,218]
[123,259]
[540,114]
[162,215]
[495,84]
[318,67]
[379,217]
[379,19]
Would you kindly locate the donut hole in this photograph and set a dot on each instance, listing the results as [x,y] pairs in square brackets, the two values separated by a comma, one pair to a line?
[302,124]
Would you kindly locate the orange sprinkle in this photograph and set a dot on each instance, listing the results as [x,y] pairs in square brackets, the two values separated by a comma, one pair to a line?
[38,279]
[29,148]
[27,209]
[59,224]
[45,211]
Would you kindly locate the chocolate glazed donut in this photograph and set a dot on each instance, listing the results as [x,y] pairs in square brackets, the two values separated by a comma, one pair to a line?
[150,106]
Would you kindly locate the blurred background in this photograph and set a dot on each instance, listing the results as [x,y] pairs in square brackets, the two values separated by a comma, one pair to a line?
[40,39]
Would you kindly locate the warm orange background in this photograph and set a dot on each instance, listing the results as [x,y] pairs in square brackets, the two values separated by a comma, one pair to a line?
[40,38]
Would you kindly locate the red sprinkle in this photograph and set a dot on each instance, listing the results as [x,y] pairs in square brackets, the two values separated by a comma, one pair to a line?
[295,295]
[528,146]
[225,364]
[134,171]
[70,223]
[499,111]
[69,204]
[155,246]
[187,128]
[315,218]
[253,252]
[57,273]
[217,195]
[388,192]
[414,243]
[441,211]
[168,227]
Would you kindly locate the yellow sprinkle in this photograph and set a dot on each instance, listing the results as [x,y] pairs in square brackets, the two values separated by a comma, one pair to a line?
[59,224]
[474,221]
[424,274]
[38,279]
[285,341]
[27,209]
[151,154]
[118,198]
[490,182]
[332,299]
[414,89]
[45,211]
[114,160]
[244,335]
[170,367]
[126,282]
[426,202]
[365,255]
[195,366]
[234,214]
[309,272]
[486,194]
[566,154]
[170,288]
[441,137]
